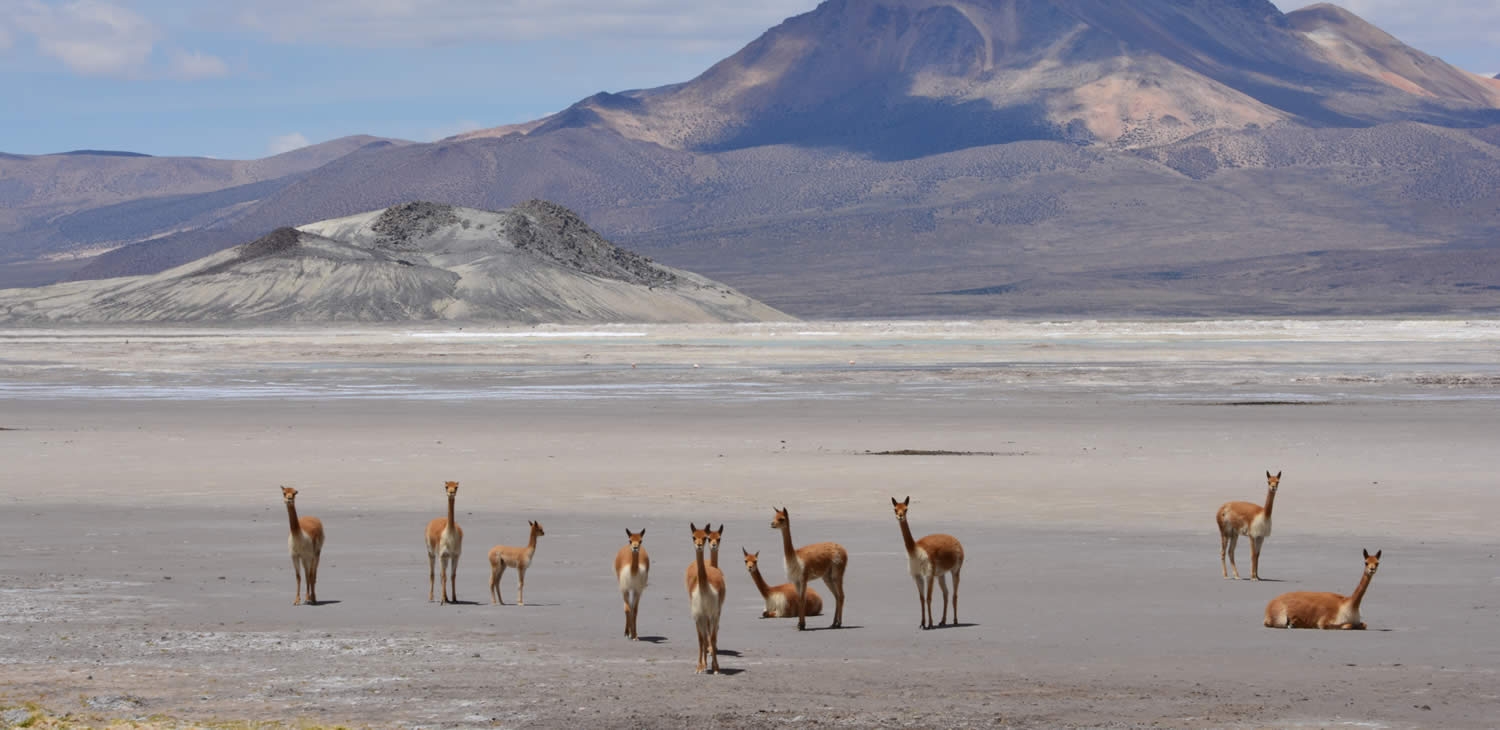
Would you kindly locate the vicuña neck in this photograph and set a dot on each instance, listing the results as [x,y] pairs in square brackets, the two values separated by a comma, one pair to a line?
[713,557]
[530,545]
[451,524]
[1270,500]
[291,514]
[765,589]
[635,562]
[1359,593]
[911,545]
[786,540]
[702,571]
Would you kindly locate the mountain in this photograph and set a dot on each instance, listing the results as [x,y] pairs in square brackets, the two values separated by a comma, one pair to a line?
[898,79]
[535,263]
[73,205]
[879,158]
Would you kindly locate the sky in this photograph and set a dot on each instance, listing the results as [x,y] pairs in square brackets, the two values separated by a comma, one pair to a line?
[252,78]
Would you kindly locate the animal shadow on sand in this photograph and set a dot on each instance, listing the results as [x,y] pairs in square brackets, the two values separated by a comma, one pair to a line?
[321,603]
[831,628]
[653,639]
[954,625]
[461,603]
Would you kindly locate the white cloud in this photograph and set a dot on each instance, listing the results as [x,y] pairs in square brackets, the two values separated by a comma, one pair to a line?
[287,143]
[90,37]
[434,22]
[196,65]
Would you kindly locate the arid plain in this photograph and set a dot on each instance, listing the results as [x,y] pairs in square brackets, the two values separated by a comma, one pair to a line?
[144,569]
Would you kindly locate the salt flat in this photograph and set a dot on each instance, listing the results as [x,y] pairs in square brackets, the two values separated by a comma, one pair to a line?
[146,551]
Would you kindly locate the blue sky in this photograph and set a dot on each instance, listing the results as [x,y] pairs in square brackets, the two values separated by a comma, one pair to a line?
[249,78]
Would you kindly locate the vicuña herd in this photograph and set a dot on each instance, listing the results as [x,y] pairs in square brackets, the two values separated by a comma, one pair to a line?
[930,560]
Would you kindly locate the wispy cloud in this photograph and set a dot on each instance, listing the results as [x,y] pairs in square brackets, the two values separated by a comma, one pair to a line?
[194,65]
[434,22]
[287,143]
[90,37]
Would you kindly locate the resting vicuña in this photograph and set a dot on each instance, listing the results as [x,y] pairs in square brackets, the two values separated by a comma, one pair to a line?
[781,600]
[1312,610]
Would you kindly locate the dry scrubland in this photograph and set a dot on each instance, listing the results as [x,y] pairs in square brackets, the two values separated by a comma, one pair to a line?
[145,574]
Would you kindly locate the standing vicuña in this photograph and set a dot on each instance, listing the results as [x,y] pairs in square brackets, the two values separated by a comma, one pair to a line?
[826,560]
[502,557]
[1251,520]
[1311,610]
[445,539]
[931,557]
[713,536]
[632,566]
[705,587]
[306,545]
[781,601]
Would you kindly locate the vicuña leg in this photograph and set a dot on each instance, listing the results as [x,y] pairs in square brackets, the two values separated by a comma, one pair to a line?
[521,587]
[835,582]
[495,574]
[921,601]
[1233,545]
[297,568]
[1223,549]
[431,574]
[943,584]
[802,605]
[956,570]
[453,579]
[1255,543]
[312,580]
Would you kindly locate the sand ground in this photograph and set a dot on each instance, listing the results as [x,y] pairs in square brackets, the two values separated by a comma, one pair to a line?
[144,569]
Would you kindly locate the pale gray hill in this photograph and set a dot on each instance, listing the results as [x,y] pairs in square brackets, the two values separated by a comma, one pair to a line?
[535,263]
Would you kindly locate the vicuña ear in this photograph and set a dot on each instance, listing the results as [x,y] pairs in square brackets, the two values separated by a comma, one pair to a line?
[721,529]
[907,503]
[627,533]
[894,502]
[693,526]
[1278,475]
[1377,554]
[1268,473]
[1367,554]
[643,532]
[743,550]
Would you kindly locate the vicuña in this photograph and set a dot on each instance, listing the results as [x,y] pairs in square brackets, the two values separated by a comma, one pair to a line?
[932,557]
[826,560]
[781,600]
[705,587]
[1313,610]
[502,557]
[632,567]
[1251,520]
[306,545]
[445,540]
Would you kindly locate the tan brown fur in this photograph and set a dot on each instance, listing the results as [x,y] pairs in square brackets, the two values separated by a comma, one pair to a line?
[705,587]
[632,568]
[305,542]
[714,536]
[1314,610]
[1250,520]
[502,557]
[826,560]
[931,558]
[445,541]
[781,600]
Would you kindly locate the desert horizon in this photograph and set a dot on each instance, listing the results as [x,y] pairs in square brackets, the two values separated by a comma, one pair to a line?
[1080,463]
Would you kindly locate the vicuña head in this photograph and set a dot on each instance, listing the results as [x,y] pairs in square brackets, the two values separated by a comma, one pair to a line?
[781,519]
[635,538]
[451,488]
[288,495]
[536,529]
[700,536]
[751,560]
[1372,562]
[1273,481]
[901,508]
